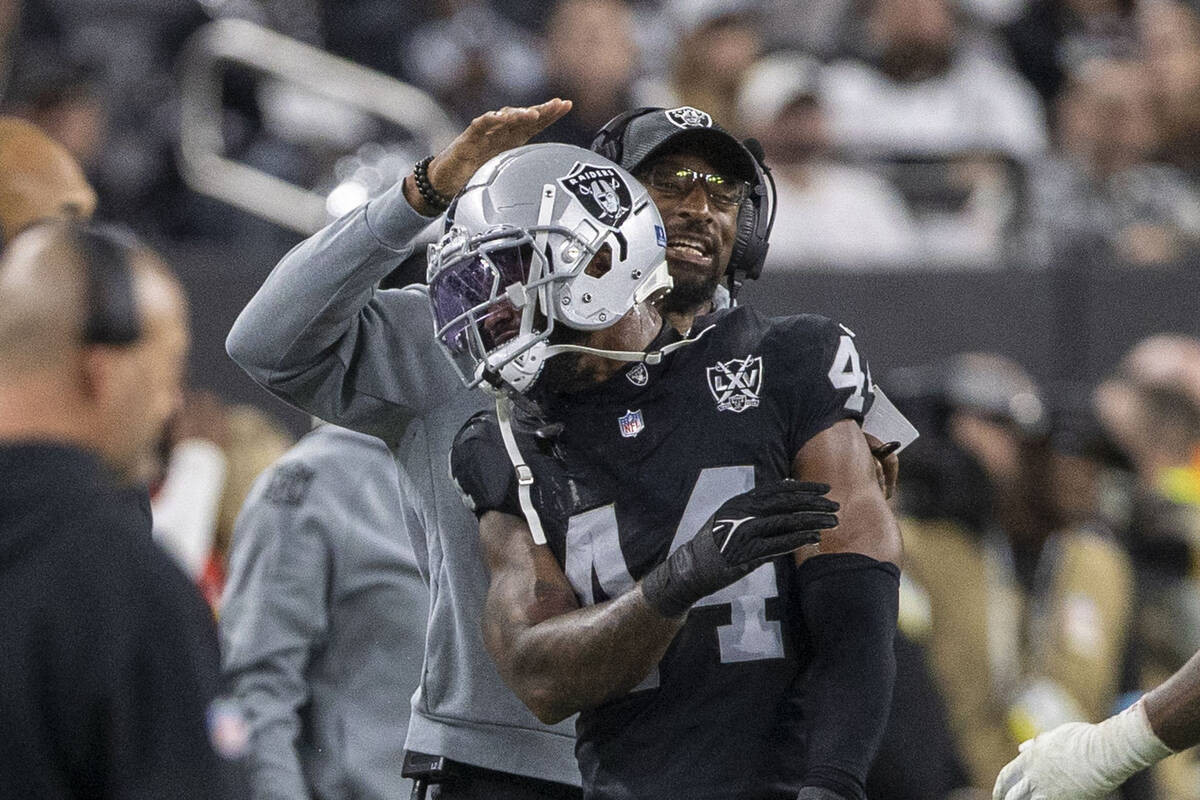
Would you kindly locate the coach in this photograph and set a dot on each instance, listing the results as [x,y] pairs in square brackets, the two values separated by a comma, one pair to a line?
[108,653]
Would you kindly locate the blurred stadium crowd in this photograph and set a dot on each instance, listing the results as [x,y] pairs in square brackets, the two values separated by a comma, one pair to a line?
[1052,532]
[963,134]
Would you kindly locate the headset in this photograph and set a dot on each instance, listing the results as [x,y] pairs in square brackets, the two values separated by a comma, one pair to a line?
[756,216]
[112,314]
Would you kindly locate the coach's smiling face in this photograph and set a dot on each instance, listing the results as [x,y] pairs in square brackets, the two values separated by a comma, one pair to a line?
[700,234]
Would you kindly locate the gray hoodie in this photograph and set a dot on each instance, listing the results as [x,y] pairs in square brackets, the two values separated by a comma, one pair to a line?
[320,335]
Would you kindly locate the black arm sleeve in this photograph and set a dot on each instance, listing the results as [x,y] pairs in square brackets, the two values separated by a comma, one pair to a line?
[849,604]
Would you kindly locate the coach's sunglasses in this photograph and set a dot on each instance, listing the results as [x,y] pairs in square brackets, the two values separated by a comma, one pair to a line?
[675,181]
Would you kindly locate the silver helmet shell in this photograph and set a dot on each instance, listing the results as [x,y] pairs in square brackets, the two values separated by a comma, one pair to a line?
[544,234]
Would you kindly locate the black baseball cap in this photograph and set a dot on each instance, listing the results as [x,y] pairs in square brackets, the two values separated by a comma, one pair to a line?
[670,130]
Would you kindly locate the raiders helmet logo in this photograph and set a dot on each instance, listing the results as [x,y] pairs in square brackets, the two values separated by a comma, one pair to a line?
[736,384]
[688,117]
[602,191]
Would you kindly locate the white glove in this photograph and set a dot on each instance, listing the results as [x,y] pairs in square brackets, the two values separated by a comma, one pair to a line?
[1081,761]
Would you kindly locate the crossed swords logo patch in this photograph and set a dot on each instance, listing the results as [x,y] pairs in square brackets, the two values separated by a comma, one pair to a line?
[737,383]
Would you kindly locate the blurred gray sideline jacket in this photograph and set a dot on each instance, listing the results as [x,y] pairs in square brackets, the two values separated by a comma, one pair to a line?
[323,620]
[320,335]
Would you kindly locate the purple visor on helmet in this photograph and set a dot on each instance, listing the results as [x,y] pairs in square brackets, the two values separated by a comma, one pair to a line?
[469,293]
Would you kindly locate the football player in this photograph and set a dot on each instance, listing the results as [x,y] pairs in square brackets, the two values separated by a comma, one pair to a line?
[639,521]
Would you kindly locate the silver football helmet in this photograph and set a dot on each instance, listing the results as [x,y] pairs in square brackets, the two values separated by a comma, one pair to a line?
[542,234]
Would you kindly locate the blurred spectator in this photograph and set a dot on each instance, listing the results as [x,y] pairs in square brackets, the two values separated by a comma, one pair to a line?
[1151,409]
[1028,598]
[210,456]
[1054,37]
[829,214]
[109,654]
[38,180]
[717,41]
[924,87]
[472,59]
[1170,37]
[323,621]
[591,59]
[812,26]
[1101,196]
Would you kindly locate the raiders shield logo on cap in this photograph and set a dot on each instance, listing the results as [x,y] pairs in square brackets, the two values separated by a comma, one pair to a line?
[688,117]
[602,191]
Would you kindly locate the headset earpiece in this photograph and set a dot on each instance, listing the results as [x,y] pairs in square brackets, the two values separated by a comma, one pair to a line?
[112,307]
[609,141]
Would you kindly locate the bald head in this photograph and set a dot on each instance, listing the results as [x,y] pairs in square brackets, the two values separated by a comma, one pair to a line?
[39,180]
[58,378]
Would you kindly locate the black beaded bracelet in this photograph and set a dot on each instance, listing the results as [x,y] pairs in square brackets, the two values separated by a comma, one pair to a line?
[432,197]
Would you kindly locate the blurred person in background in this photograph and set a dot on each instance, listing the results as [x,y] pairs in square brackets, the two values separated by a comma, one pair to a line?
[99,77]
[923,85]
[323,622]
[1170,39]
[1053,37]
[591,57]
[830,215]
[1103,196]
[1028,598]
[109,653]
[716,42]
[208,458]
[471,58]
[1151,409]
[38,180]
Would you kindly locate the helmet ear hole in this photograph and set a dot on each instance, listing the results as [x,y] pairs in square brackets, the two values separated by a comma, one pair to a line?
[601,262]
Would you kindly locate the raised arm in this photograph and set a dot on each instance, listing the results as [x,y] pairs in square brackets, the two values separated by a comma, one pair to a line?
[321,336]
[848,588]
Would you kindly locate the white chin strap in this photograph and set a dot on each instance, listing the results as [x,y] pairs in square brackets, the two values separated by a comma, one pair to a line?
[651,357]
[524,473]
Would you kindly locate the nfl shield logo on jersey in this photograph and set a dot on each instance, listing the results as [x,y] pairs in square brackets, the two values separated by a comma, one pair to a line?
[601,191]
[736,384]
[688,117]
[631,424]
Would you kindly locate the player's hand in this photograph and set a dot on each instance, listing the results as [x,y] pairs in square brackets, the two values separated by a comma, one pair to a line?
[488,135]
[1081,761]
[747,530]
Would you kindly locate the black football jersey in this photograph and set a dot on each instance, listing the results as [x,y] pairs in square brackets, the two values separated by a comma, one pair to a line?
[625,472]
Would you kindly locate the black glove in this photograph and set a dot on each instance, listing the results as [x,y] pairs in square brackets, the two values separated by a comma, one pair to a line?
[746,531]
